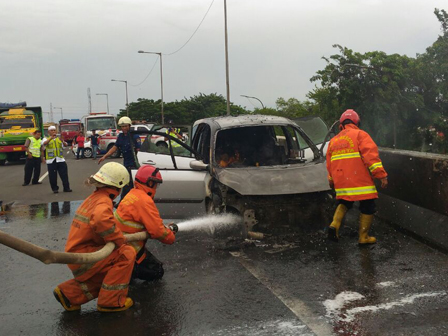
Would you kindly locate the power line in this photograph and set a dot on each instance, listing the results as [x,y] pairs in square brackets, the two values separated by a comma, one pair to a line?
[208,10]
[146,75]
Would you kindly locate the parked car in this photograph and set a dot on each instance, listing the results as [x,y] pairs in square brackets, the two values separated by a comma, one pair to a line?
[265,168]
[88,152]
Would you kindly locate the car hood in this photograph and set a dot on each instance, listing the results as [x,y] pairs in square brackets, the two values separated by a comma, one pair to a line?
[276,180]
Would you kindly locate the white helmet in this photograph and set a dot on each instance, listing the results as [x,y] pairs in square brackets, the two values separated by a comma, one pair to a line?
[124,121]
[112,174]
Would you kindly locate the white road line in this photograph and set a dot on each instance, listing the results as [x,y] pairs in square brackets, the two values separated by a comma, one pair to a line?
[315,322]
[43,176]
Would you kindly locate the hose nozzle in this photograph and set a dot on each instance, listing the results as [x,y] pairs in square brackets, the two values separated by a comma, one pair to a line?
[173,227]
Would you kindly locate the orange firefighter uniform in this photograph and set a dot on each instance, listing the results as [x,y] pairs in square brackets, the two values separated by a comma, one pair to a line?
[92,227]
[352,160]
[137,212]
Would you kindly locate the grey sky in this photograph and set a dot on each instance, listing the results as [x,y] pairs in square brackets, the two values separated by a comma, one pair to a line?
[53,50]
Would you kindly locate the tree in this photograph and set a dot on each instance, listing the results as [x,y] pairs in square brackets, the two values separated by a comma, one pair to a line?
[185,111]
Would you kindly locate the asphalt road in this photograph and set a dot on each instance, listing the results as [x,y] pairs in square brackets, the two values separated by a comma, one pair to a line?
[12,175]
[299,284]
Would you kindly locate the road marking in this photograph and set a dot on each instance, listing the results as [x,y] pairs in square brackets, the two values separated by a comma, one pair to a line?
[335,307]
[313,321]
[43,177]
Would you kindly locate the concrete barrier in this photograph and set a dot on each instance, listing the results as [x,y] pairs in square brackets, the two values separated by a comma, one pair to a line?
[417,196]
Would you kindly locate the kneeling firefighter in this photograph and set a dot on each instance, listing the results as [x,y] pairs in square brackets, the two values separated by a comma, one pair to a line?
[92,227]
[137,212]
[352,161]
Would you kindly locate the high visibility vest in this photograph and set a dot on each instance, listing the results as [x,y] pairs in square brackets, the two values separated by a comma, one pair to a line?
[34,147]
[54,149]
[173,143]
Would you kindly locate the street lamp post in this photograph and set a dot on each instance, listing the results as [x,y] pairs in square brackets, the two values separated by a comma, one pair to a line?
[107,99]
[60,108]
[227,58]
[254,98]
[161,78]
[126,84]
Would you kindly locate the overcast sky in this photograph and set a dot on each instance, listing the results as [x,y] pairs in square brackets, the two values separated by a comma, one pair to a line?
[52,51]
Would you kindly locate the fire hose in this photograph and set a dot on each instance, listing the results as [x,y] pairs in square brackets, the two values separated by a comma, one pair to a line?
[54,257]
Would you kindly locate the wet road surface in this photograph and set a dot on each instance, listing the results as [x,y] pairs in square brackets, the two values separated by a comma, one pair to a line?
[295,285]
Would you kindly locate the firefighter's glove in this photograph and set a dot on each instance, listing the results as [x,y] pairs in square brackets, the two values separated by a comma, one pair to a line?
[384,183]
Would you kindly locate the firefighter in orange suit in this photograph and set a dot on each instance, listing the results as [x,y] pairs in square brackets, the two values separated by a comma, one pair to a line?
[92,227]
[137,212]
[352,161]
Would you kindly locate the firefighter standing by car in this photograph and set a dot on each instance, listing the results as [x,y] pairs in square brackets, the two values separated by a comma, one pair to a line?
[128,148]
[352,161]
[33,158]
[92,227]
[137,212]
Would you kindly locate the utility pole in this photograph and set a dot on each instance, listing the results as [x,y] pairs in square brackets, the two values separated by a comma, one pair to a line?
[51,112]
[90,100]
[227,58]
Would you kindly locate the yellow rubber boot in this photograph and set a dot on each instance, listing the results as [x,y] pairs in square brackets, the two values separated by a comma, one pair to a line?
[62,299]
[365,221]
[333,229]
[127,304]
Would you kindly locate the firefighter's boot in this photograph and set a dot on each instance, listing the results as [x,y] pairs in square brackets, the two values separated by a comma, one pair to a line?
[333,229]
[365,221]
[127,304]
[62,299]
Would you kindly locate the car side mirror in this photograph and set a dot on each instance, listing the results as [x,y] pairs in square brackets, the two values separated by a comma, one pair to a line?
[198,165]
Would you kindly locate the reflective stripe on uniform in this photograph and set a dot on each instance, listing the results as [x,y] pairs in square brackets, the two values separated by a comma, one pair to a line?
[114,287]
[83,269]
[82,218]
[107,232]
[137,247]
[356,191]
[85,290]
[163,236]
[346,156]
[131,224]
[375,166]
[34,147]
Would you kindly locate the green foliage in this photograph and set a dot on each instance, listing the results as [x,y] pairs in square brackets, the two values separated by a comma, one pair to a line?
[185,111]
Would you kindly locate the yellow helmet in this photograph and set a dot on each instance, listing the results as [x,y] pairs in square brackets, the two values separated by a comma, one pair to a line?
[124,121]
[112,174]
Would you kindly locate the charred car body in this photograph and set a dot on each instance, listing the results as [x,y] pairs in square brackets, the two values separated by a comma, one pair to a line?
[265,168]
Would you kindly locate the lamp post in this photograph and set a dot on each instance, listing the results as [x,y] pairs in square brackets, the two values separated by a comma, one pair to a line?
[59,108]
[107,99]
[254,98]
[126,84]
[161,78]
[227,58]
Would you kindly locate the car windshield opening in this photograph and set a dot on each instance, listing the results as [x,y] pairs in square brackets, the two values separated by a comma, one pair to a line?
[257,146]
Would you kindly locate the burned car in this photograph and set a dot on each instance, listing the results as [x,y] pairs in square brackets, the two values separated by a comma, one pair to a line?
[265,168]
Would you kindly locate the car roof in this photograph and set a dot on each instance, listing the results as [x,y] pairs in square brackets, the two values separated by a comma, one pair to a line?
[244,120]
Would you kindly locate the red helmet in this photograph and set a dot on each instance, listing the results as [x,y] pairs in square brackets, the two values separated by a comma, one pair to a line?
[350,115]
[147,174]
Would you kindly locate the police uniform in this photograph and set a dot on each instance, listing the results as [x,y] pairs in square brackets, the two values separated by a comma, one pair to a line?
[33,164]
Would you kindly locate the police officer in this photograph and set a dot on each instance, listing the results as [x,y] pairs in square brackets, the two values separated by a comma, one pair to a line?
[128,148]
[54,157]
[33,158]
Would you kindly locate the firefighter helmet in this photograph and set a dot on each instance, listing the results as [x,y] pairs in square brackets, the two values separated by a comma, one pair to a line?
[124,121]
[112,174]
[147,174]
[350,115]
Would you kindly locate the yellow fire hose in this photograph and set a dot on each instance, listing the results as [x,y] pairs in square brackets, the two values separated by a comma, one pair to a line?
[54,257]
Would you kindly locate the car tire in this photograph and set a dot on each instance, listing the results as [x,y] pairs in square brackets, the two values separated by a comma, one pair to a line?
[162,144]
[88,153]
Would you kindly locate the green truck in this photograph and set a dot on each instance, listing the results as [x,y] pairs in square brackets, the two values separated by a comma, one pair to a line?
[17,123]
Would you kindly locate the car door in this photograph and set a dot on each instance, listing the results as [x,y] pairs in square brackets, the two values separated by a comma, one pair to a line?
[316,129]
[182,193]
